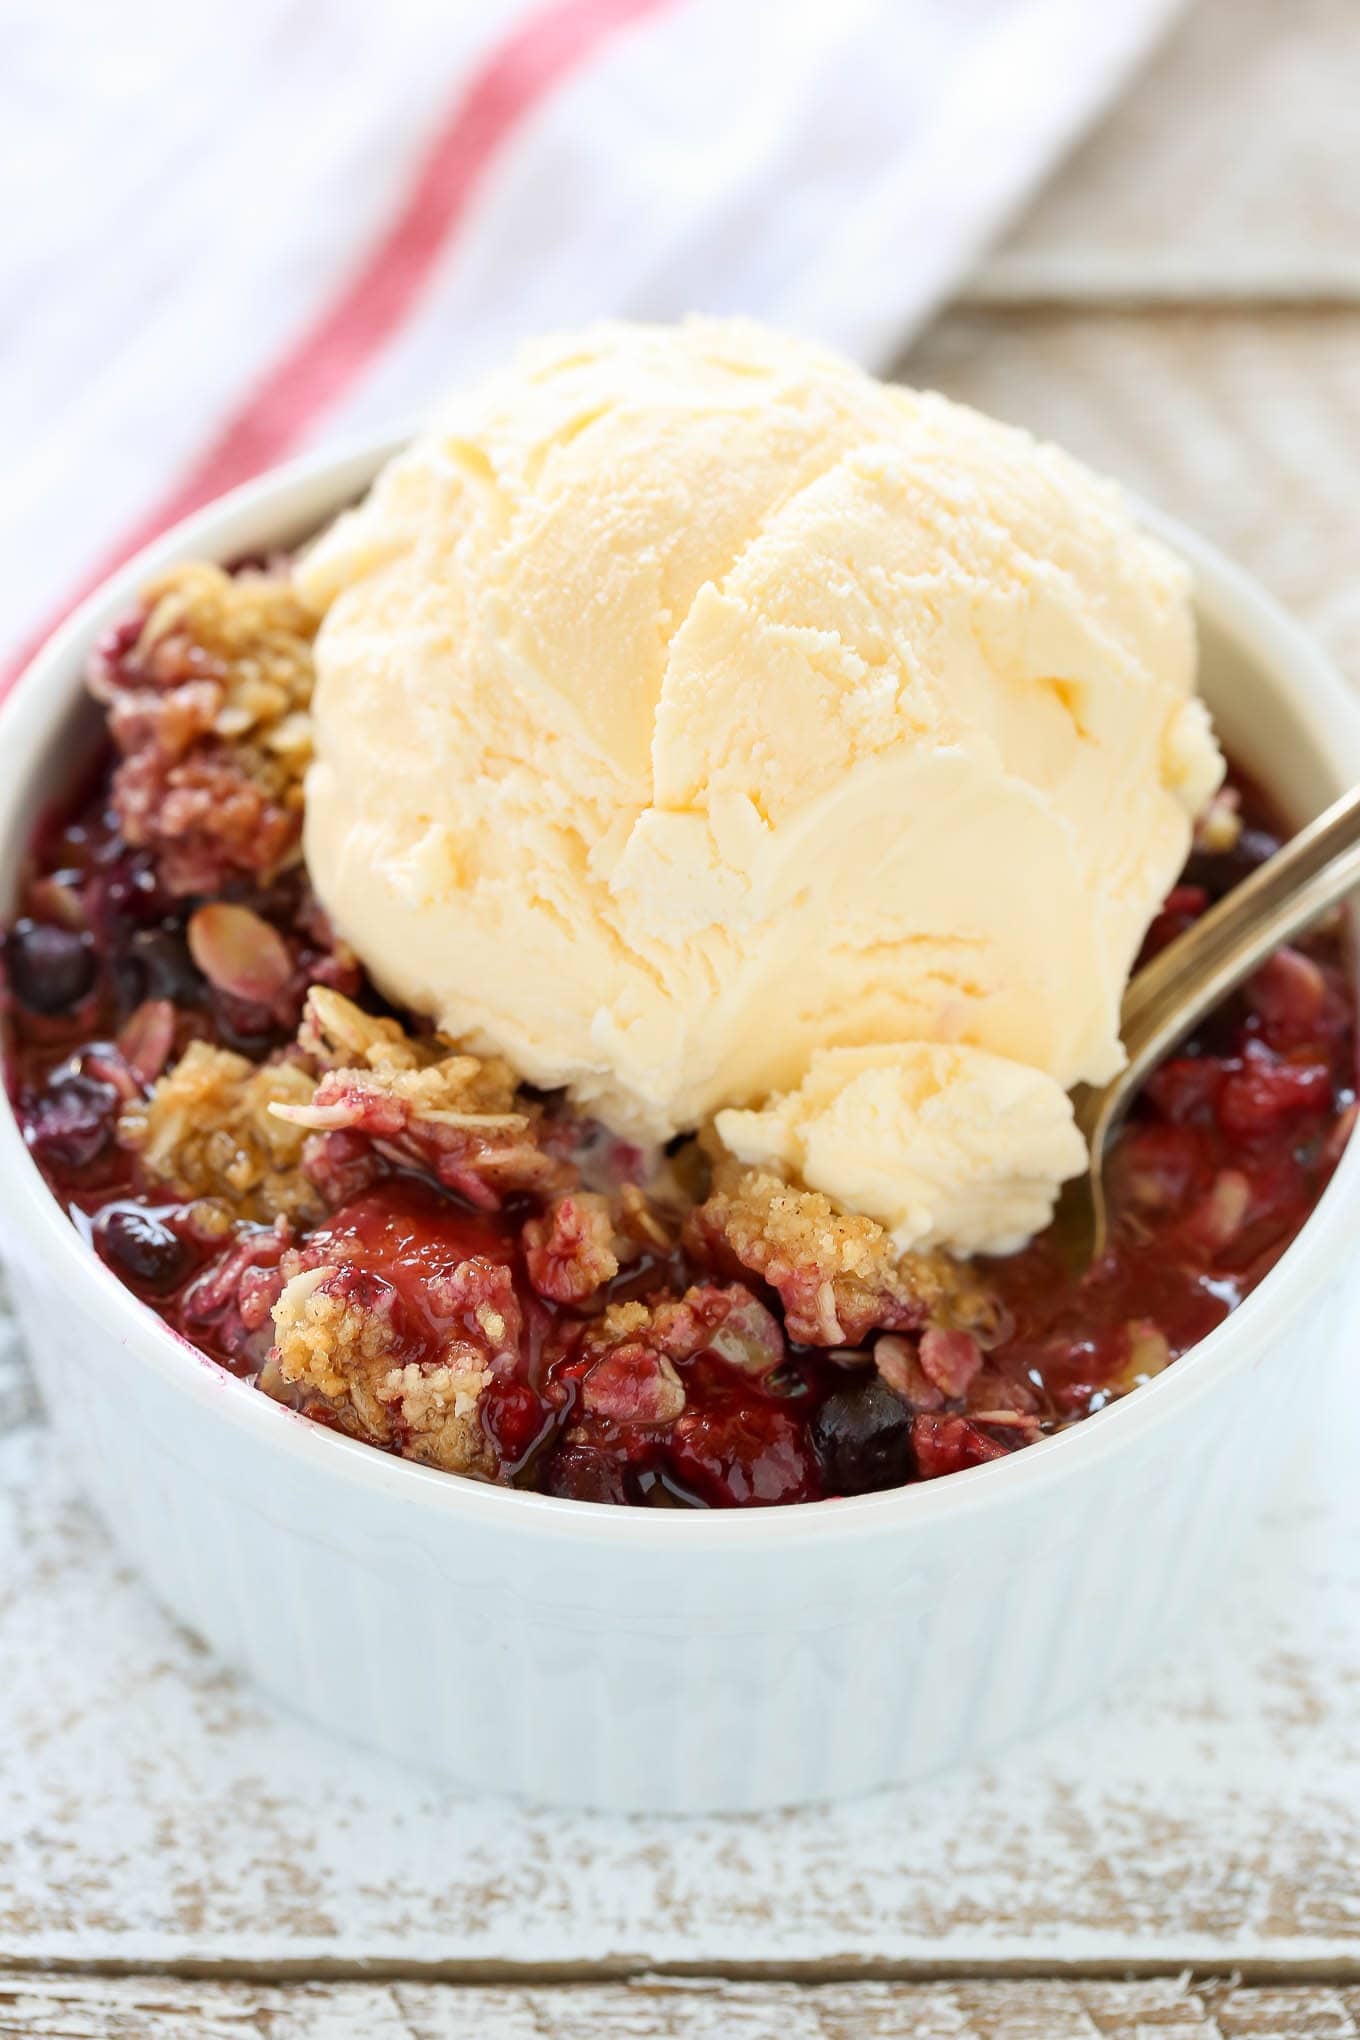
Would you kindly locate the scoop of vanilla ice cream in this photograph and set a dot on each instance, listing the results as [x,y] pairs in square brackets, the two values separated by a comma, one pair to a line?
[690,705]
[940,1143]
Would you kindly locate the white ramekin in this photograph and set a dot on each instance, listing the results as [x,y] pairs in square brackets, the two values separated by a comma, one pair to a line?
[631,1659]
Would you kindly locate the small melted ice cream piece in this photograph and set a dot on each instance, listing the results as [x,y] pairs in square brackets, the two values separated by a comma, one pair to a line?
[693,710]
[938,1143]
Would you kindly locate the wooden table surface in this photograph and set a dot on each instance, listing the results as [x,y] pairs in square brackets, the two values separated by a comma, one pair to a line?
[177,1858]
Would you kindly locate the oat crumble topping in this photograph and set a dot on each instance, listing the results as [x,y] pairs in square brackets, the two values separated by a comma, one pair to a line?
[420,1101]
[837,1274]
[339,1331]
[211,1128]
[209,703]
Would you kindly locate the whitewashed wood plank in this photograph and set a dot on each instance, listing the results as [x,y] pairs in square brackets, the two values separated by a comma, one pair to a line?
[655,2009]
[153,1809]
[17,1399]
[1229,170]
[1247,426]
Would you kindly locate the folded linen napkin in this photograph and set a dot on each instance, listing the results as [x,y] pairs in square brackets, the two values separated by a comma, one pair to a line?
[252,226]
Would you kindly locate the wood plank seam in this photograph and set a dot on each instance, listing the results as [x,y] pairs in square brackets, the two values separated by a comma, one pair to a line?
[142,2008]
[1340,1974]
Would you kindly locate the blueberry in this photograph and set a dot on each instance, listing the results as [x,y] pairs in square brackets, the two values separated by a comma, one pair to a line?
[51,969]
[582,1473]
[71,1123]
[132,891]
[169,972]
[863,1438]
[1218,871]
[142,1247]
[155,964]
[250,1029]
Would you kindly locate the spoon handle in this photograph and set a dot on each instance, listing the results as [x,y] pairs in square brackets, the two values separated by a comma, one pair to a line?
[1313,872]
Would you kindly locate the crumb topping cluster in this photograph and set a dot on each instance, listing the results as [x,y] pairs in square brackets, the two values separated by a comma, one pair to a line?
[339,1331]
[209,1128]
[837,1274]
[208,690]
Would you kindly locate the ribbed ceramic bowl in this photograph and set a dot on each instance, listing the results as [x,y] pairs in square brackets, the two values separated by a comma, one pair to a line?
[635,1659]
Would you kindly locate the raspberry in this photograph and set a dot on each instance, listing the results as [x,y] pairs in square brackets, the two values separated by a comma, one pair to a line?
[948,1444]
[736,1451]
[1259,1094]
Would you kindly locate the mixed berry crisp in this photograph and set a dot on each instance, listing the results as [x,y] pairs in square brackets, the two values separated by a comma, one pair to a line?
[397,1240]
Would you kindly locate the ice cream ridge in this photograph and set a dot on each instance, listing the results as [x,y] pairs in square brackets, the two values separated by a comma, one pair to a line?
[727,736]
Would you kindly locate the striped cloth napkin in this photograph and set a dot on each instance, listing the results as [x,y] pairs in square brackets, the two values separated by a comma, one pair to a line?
[241,228]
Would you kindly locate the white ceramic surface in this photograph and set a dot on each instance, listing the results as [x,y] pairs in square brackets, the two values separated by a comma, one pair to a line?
[663,1660]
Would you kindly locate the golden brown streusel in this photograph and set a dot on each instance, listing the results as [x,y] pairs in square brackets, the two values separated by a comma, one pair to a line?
[209,705]
[420,1101]
[252,634]
[335,1341]
[208,1129]
[837,1271]
[626,1319]
[428,1074]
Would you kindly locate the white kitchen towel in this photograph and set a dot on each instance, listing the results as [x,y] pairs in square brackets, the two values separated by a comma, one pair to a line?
[236,229]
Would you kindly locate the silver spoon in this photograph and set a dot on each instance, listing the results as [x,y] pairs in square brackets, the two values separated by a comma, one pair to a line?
[1313,872]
